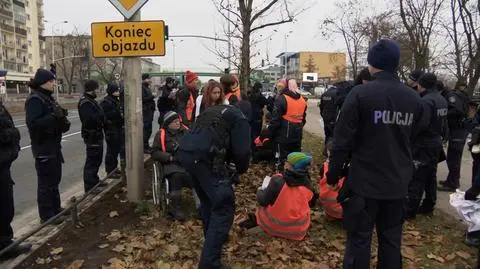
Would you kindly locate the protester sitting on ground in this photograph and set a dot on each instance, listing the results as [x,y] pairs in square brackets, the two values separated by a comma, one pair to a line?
[328,196]
[212,94]
[165,145]
[285,203]
[264,149]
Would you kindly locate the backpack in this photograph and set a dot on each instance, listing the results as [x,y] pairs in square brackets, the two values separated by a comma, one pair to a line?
[210,134]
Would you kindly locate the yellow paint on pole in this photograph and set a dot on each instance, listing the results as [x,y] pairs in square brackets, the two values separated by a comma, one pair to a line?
[128,39]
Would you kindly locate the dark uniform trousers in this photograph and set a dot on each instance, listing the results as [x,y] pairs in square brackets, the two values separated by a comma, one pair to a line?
[284,149]
[424,179]
[456,145]
[387,216]
[49,172]
[114,147]
[147,126]
[217,208]
[92,164]
[6,206]
[475,166]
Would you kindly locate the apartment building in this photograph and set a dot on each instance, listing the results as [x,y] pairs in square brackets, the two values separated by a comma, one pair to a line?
[22,47]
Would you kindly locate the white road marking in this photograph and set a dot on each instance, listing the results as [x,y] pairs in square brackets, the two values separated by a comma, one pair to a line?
[65,136]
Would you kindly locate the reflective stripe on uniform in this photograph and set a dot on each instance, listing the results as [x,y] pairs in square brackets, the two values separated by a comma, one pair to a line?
[270,231]
[293,223]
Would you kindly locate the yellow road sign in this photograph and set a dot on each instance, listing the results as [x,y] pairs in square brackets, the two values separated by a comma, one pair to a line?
[128,7]
[126,39]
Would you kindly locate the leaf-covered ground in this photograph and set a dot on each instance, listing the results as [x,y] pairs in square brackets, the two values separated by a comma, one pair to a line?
[118,235]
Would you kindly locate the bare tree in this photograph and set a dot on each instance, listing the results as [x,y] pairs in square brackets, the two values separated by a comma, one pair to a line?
[247,18]
[349,24]
[107,68]
[419,17]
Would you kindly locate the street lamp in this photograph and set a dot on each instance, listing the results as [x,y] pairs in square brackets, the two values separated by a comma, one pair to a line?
[53,48]
[173,54]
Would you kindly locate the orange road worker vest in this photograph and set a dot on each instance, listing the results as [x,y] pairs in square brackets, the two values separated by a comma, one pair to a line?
[289,216]
[237,93]
[162,137]
[328,197]
[259,142]
[295,109]
[189,108]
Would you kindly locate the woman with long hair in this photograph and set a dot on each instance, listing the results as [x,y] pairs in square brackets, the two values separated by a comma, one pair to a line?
[213,94]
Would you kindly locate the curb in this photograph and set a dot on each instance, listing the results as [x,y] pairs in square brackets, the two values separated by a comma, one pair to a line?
[43,236]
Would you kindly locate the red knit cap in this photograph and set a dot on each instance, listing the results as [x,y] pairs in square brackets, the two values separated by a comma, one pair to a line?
[190,77]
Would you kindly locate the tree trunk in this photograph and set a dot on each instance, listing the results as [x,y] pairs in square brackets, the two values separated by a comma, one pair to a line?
[245,59]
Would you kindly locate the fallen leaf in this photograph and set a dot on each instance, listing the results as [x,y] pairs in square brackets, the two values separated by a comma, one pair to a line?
[118,248]
[76,264]
[414,233]
[117,196]
[56,251]
[338,245]
[438,239]
[464,255]
[48,260]
[162,265]
[113,214]
[114,235]
[450,257]
[116,263]
[102,246]
[435,257]
[408,253]
[40,261]
[172,250]
[57,257]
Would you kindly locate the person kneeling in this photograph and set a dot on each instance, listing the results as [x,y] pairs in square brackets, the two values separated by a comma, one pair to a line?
[165,145]
[286,201]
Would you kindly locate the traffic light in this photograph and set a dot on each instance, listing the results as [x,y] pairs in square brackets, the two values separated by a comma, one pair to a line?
[53,69]
[165,32]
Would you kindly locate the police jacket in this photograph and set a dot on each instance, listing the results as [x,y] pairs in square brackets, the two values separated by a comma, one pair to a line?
[166,102]
[457,108]
[113,114]
[220,128]
[374,131]
[92,118]
[434,114]
[282,130]
[9,139]
[46,121]
[148,102]
[328,106]
[165,145]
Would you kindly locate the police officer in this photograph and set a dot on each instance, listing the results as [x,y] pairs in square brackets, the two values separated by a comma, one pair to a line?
[93,120]
[414,77]
[166,100]
[328,112]
[221,135]
[373,134]
[9,146]
[426,148]
[288,119]
[46,121]
[458,101]
[113,128]
[148,105]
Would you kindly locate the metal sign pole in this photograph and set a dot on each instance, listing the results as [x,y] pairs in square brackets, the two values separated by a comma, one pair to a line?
[133,124]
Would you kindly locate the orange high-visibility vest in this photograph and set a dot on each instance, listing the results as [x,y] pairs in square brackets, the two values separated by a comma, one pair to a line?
[328,197]
[237,93]
[295,109]
[162,137]
[189,108]
[289,216]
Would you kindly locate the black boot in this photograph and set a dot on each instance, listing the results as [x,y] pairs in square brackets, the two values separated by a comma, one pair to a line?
[16,251]
[175,209]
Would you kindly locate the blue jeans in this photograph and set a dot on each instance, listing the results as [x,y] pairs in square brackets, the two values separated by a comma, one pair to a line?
[217,208]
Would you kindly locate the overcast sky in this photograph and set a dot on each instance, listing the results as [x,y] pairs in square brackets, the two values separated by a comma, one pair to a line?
[193,17]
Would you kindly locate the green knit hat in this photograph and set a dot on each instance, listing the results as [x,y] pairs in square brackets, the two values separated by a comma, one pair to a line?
[299,160]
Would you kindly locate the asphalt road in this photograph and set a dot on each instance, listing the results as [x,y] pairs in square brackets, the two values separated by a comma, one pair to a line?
[25,177]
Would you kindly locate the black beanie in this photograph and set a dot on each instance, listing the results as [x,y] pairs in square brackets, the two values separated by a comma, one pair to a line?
[91,85]
[428,81]
[169,80]
[416,74]
[384,55]
[145,76]
[111,88]
[41,77]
